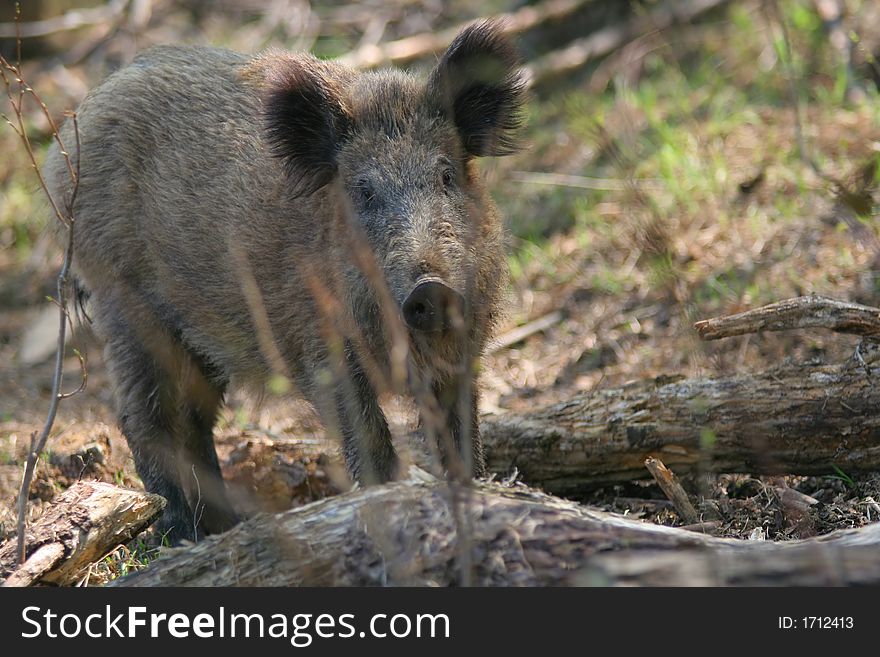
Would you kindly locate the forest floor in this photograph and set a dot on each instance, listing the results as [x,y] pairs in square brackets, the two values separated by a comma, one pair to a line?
[662,186]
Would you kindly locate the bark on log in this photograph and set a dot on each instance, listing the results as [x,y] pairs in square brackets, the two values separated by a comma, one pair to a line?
[800,419]
[86,522]
[405,534]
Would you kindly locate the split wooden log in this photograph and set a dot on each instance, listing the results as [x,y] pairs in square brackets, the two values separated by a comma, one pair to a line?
[86,522]
[800,419]
[405,534]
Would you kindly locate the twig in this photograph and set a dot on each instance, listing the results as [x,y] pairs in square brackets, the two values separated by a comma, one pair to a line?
[598,44]
[849,199]
[797,313]
[579,182]
[266,340]
[520,333]
[38,444]
[832,14]
[559,62]
[65,217]
[198,507]
[673,490]
[791,80]
[409,49]
[708,527]
[71,20]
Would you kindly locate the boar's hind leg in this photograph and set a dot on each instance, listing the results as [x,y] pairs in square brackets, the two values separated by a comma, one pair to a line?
[166,410]
[366,440]
[458,403]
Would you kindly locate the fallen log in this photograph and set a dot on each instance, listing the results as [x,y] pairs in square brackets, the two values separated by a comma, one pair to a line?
[799,419]
[405,534]
[86,522]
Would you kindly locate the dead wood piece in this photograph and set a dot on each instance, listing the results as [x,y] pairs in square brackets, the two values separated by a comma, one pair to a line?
[797,313]
[86,522]
[72,20]
[800,419]
[790,496]
[404,533]
[708,527]
[520,333]
[601,43]
[409,49]
[37,565]
[672,489]
[795,507]
[557,63]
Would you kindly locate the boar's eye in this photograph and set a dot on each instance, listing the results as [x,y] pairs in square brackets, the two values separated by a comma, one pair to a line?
[447,177]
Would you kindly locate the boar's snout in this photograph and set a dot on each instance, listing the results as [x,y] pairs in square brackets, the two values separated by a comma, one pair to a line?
[432,305]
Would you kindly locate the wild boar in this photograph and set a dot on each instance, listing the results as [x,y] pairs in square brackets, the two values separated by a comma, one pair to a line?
[239,215]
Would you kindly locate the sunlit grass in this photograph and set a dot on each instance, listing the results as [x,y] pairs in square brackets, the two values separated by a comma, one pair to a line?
[697,126]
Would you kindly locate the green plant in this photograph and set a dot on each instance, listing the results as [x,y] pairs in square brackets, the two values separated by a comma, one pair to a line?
[845,478]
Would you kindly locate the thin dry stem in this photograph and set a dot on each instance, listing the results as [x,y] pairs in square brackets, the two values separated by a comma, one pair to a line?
[21,131]
[66,218]
[38,445]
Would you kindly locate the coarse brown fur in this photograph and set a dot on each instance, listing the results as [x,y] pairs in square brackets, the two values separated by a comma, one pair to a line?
[221,206]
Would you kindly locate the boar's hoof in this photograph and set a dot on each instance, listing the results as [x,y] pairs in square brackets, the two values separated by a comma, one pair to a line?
[433,306]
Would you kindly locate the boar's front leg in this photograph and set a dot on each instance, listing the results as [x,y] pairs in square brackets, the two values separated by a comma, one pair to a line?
[458,401]
[201,397]
[366,440]
[167,407]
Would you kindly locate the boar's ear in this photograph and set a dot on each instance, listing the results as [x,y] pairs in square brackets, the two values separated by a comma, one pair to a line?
[480,88]
[305,123]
